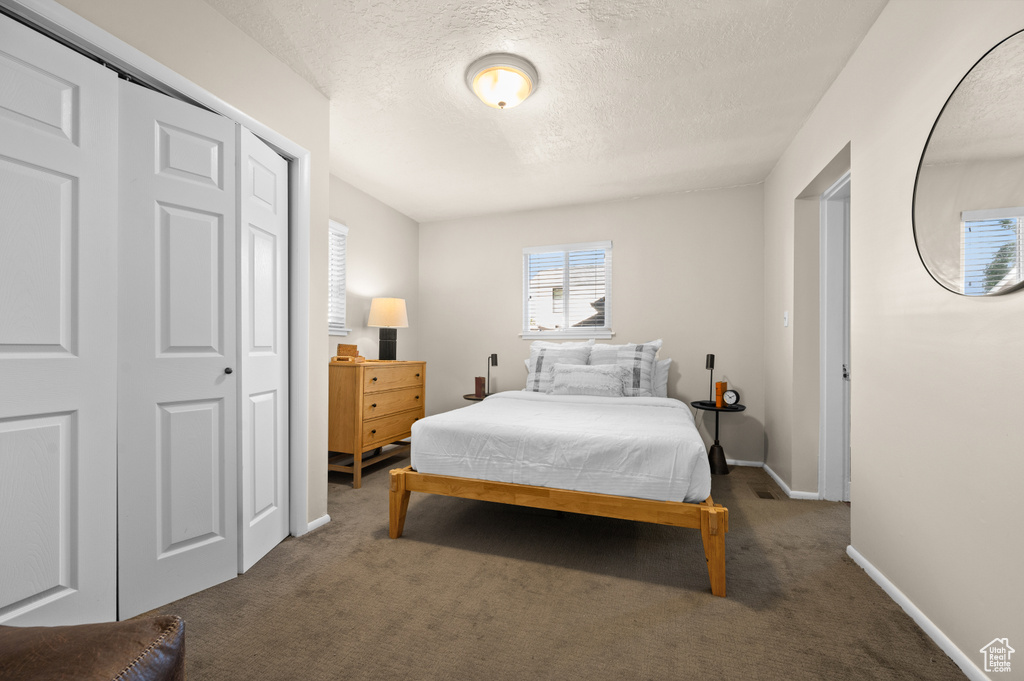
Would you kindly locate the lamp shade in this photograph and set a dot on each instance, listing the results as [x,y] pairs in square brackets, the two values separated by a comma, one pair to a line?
[388,312]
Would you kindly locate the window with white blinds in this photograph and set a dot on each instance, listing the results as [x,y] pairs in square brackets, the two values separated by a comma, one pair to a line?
[336,279]
[566,290]
[992,250]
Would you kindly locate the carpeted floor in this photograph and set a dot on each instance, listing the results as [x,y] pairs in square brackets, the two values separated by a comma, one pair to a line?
[484,591]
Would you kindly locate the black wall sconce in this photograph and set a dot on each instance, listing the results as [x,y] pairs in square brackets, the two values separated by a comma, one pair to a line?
[492,361]
[709,364]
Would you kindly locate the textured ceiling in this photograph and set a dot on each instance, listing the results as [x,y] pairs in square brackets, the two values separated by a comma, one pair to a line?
[636,97]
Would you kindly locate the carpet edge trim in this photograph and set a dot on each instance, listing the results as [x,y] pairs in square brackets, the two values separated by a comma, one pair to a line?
[959,657]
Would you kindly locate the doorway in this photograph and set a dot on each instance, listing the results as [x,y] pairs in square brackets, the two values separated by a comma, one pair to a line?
[834,433]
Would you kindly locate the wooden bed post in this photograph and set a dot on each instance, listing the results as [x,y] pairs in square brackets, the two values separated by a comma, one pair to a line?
[399,499]
[714,521]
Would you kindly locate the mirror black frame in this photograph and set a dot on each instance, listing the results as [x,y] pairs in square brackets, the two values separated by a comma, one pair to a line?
[917,178]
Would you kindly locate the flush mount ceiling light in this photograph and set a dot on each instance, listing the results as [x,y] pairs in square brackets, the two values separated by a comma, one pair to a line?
[501,80]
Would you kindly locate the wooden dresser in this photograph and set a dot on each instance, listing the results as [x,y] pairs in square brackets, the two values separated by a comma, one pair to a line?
[372,404]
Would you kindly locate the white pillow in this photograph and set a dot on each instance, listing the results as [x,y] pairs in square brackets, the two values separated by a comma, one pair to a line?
[545,356]
[573,344]
[661,368]
[601,381]
[638,358]
[543,344]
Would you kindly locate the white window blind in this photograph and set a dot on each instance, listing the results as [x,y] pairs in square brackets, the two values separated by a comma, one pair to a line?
[566,290]
[992,251]
[336,279]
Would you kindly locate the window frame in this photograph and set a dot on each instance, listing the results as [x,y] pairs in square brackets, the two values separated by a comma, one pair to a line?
[334,328]
[580,332]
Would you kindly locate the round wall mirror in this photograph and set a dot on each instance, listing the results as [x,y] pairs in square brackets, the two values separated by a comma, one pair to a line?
[969,196]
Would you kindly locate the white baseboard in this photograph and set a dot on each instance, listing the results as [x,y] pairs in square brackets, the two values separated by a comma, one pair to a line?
[785,488]
[934,633]
[319,522]
[751,464]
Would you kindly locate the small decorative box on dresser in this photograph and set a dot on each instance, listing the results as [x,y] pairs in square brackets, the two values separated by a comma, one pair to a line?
[372,404]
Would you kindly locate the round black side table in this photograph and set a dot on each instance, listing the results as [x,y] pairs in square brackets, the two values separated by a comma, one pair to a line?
[473,398]
[716,455]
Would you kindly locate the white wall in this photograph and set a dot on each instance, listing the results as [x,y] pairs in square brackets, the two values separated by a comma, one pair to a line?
[936,465]
[382,262]
[189,37]
[686,267]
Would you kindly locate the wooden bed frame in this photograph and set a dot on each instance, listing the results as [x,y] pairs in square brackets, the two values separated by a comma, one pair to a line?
[710,518]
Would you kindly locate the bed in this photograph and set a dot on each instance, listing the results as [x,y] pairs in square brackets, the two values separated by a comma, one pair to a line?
[634,458]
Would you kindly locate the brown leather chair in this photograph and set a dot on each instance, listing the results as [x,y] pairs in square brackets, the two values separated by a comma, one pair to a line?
[147,649]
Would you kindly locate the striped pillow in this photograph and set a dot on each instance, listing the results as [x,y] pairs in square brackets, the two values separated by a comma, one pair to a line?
[638,358]
[601,381]
[544,356]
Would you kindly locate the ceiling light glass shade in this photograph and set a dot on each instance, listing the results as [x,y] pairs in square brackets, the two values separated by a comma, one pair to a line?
[501,80]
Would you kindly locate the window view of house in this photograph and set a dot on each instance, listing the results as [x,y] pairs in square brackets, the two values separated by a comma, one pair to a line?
[566,287]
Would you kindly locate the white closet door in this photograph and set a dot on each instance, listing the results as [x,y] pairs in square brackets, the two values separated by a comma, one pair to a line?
[177,418]
[263,339]
[58,264]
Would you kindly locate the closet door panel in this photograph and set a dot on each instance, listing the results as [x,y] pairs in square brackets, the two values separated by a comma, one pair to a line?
[58,263]
[177,407]
[263,334]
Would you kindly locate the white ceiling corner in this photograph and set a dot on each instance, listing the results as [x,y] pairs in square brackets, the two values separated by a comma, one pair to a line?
[636,97]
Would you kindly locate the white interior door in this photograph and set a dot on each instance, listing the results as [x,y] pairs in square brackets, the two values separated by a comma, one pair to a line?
[263,341]
[834,439]
[845,446]
[58,265]
[177,406]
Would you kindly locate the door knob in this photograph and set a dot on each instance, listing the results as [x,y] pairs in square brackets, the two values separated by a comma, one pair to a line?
[228,370]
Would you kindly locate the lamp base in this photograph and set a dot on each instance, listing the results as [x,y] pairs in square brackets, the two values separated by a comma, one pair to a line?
[716,457]
[388,345]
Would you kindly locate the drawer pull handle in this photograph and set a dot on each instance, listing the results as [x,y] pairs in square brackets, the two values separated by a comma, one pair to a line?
[374,379]
[417,397]
[373,432]
[373,406]
[417,375]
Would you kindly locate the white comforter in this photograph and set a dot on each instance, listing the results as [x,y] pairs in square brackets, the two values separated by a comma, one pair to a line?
[646,447]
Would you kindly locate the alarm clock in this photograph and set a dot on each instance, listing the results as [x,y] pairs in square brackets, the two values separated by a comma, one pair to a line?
[731,397]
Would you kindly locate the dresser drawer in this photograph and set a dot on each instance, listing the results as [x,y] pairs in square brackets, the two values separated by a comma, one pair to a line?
[377,378]
[389,428]
[382,404]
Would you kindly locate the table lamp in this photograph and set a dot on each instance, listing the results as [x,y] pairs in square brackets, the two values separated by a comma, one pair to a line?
[390,315]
